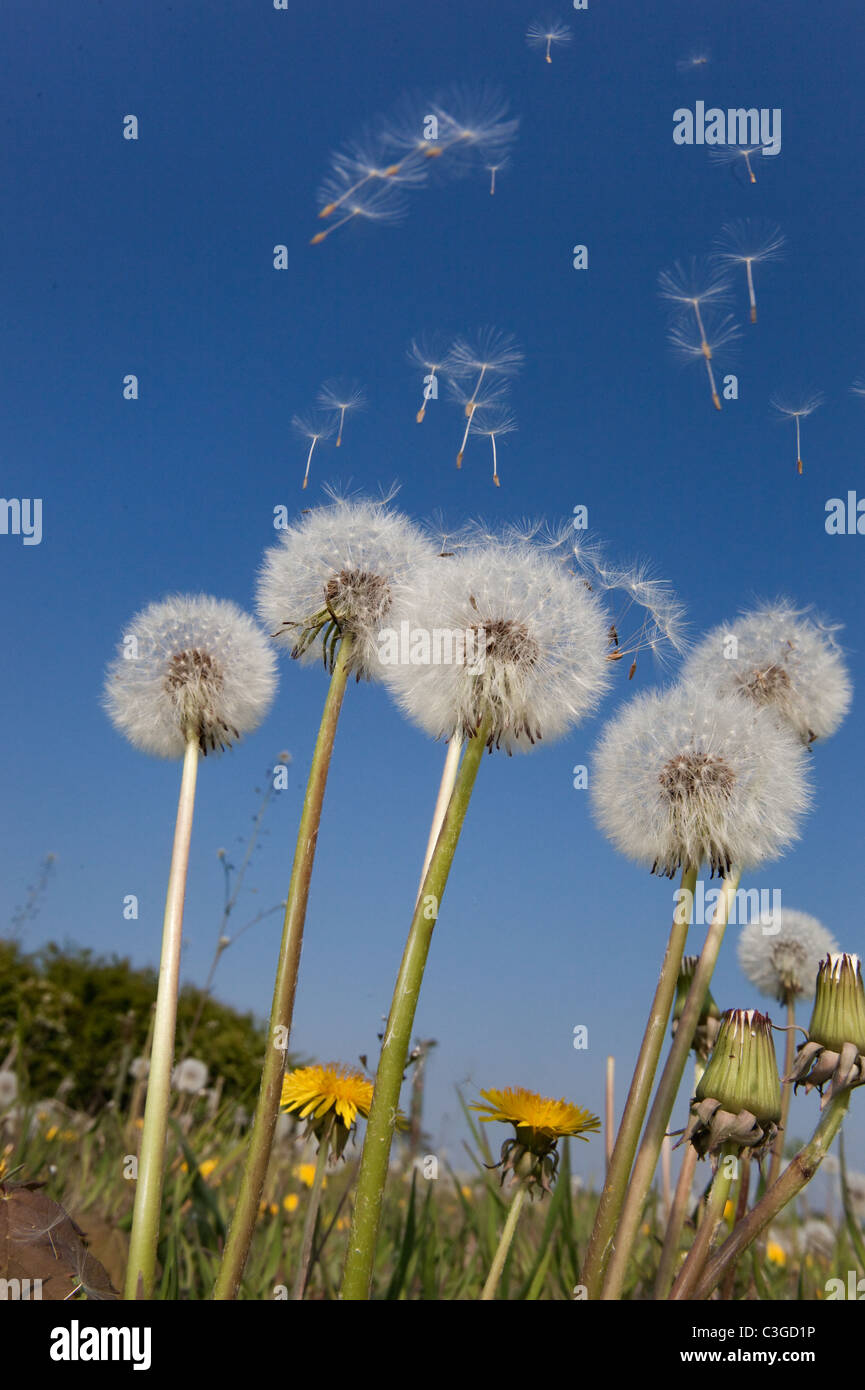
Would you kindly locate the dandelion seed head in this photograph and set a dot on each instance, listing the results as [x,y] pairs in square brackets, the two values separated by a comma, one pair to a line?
[787,660]
[190,667]
[780,953]
[688,776]
[544,666]
[340,562]
[189,1076]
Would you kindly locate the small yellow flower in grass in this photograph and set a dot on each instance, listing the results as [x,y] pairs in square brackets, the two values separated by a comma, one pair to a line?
[776,1253]
[51,1133]
[467,1192]
[306,1173]
[539,1124]
[291,1202]
[208,1166]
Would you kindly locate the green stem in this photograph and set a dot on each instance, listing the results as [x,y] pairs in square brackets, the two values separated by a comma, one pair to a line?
[799,1172]
[616,1182]
[786,1092]
[312,1211]
[665,1096]
[285,985]
[699,1251]
[504,1245]
[360,1257]
[141,1269]
[676,1219]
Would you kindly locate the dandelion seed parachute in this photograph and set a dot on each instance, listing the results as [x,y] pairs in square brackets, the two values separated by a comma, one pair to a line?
[334,571]
[781,955]
[787,659]
[481,398]
[377,203]
[732,154]
[339,397]
[430,355]
[689,284]
[798,412]
[695,62]
[749,244]
[493,425]
[313,430]
[689,776]
[363,165]
[474,129]
[199,668]
[542,665]
[689,347]
[543,35]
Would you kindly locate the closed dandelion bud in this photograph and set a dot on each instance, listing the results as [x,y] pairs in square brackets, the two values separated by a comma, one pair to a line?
[835,1050]
[738,1098]
[710,1015]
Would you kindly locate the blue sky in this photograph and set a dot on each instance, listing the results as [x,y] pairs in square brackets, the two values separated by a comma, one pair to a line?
[155,257]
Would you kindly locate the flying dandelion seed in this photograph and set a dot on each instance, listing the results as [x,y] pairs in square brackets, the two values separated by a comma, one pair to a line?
[695,62]
[858,386]
[647,615]
[747,243]
[431,356]
[733,154]
[688,285]
[339,397]
[493,169]
[692,348]
[498,423]
[363,164]
[493,354]
[382,204]
[490,395]
[798,413]
[313,430]
[472,128]
[544,35]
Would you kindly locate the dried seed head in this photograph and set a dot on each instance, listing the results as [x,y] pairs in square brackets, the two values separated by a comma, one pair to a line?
[780,954]
[784,659]
[690,776]
[190,667]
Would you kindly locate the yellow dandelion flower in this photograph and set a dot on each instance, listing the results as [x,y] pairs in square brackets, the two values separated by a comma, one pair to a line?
[729,1210]
[776,1253]
[306,1173]
[314,1091]
[291,1202]
[539,1124]
[535,1115]
[208,1166]
[51,1133]
[467,1192]
[342,1223]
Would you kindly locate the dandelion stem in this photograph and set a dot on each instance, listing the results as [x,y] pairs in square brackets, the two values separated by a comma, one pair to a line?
[786,1091]
[699,1251]
[312,1212]
[799,1172]
[449,776]
[665,1096]
[504,1245]
[628,1136]
[285,985]
[676,1221]
[360,1258]
[141,1269]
